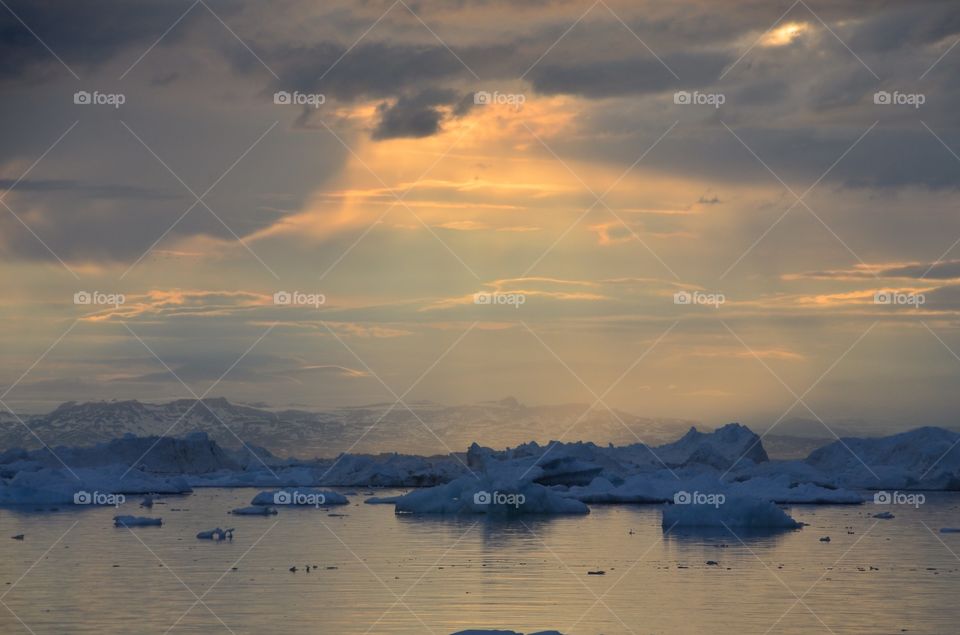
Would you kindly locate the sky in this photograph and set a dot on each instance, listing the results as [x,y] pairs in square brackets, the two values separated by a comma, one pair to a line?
[717,211]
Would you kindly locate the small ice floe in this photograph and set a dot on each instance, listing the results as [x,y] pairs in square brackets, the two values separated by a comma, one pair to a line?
[382,500]
[136,521]
[300,497]
[216,534]
[254,510]
[597,572]
[20,536]
[825,539]
[943,530]
[884,516]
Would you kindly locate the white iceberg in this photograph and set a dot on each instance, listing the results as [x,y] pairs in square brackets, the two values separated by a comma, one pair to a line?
[61,486]
[733,513]
[491,496]
[299,496]
[922,458]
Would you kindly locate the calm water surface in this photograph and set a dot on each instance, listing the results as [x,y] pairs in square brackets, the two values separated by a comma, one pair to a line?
[380,573]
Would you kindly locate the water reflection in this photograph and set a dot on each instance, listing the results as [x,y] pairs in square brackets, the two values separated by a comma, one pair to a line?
[453,573]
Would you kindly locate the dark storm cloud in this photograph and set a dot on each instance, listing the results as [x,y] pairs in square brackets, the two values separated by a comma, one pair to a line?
[414,116]
[83,33]
[371,69]
[632,75]
[907,25]
[91,190]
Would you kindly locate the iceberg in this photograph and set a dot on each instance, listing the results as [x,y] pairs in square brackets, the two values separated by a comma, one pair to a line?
[923,458]
[136,521]
[60,486]
[299,496]
[733,513]
[216,534]
[491,496]
[254,510]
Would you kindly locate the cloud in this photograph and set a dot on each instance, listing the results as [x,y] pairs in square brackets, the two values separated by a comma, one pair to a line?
[415,116]
[85,34]
[937,270]
[90,190]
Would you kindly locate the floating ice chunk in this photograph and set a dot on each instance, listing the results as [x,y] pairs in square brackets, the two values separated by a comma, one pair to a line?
[299,496]
[739,512]
[785,490]
[216,534]
[254,510]
[470,495]
[61,486]
[922,458]
[136,521]
[884,516]
[382,500]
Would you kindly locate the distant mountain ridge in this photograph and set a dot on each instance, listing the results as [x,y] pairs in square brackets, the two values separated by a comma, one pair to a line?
[430,429]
